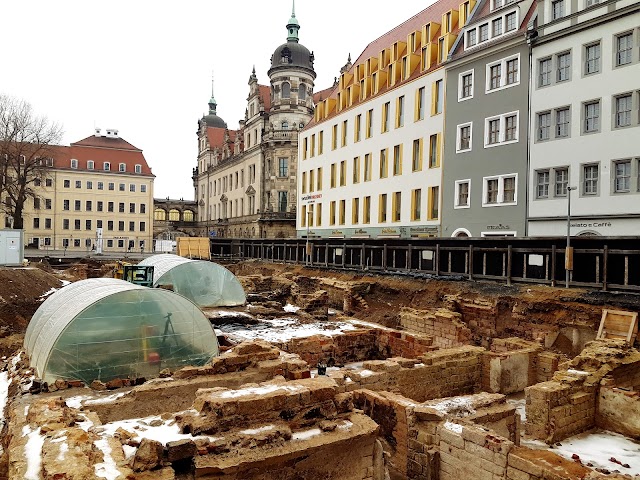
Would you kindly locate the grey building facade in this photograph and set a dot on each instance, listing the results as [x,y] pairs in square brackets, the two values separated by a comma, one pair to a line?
[486,123]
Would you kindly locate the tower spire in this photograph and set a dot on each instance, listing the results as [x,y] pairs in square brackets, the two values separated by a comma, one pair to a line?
[293,26]
[212,101]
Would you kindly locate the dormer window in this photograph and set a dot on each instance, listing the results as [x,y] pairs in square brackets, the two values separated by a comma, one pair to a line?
[107,166]
[138,168]
[122,167]
[74,163]
[90,164]
[285,55]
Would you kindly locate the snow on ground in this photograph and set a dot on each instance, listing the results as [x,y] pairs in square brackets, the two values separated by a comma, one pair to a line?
[457,405]
[365,373]
[362,323]
[598,447]
[290,308]
[76,402]
[255,431]
[304,435]
[453,427]
[105,399]
[284,329]
[519,402]
[258,390]
[33,452]
[107,469]
[5,381]
[227,313]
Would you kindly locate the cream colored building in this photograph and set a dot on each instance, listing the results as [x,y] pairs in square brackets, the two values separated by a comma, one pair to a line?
[99,185]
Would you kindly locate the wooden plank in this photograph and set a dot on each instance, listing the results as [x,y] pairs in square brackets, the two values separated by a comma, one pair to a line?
[618,324]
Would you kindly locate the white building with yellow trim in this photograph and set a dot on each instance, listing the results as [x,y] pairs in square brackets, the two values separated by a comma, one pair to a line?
[369,162]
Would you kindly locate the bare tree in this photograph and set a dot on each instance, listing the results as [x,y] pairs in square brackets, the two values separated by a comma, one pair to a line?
[27,148]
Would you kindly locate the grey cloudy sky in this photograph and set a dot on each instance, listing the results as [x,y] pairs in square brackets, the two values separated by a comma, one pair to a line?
[144,67]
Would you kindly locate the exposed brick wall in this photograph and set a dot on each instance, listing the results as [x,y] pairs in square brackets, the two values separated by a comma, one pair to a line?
[547,365]
[446,327]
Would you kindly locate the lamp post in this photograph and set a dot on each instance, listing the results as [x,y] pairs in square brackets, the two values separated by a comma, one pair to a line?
[308,246]
[568,256]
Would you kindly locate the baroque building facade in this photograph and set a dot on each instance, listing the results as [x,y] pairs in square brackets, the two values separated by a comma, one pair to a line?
[245,180]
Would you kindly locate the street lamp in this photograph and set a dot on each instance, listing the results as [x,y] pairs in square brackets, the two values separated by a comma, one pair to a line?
[568,255]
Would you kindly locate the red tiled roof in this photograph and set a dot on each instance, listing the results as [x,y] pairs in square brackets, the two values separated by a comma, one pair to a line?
[100,150]
[265,93]
[322,94]
[215,136]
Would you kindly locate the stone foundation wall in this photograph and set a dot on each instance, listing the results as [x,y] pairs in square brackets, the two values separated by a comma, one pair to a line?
[445,327]
[547,366]
[619,411]
[560,408]
[510,371]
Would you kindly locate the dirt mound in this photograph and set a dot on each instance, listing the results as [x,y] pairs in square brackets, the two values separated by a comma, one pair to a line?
[22,291]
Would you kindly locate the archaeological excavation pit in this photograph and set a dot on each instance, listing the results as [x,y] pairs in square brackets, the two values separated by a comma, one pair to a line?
[445,387]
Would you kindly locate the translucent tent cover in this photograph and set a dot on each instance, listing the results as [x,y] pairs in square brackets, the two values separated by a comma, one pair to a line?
[104,328]
[205,283]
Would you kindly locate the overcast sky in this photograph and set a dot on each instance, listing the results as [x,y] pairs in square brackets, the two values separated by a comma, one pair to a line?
[144,67]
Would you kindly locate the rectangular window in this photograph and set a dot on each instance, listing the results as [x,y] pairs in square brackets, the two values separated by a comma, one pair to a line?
[512,71]
[557,9]
[494,131]
[592,59]
[396,206]
[341,217]
[434,153]
[132,226]
[77,205]
[438,97]
[143,188]
[121,226]
[143,208]
[343,141]
[544,126]
[397,160]
[462,193]
[318,214]
[47,223]
[563,64]
[283,167]
[420,104]
[384,126]
[495,73]
[624,48]
[88,205]
[319,179]
[383,163]
[143,226]
[366,210]
[99,206]
[320,142]
[313,145]
[334,137]
[110,207]
[89,185]
[509,186]
[464,138]
[434,203]
[355,211]
[76,224]
[121,207]
[333,176]
[356,170]
[466,87]
[332,213]
[511,126]
[369,123]
[623,111]
[305,142]
[561,181]
[471,38]
[591,117]
[36,223]
[496,27]
[484,32]
[87,224]
[357,128]
[65,224]
[312,185]
[511,21]
[590,181]
[110,225]
[416,156]
[544,72]
[67,183]
[416,202]
[78,183]
[36,203]
[48,182]
[623,176]
[492,191]
[382,208]
[47,204]
[343,173]
[542,184]
[367,167]
[400,112]
[132,208]
[562,122]
[304,182]
[106,166]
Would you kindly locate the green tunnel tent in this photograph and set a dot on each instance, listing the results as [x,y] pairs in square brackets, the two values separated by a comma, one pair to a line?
[207,284]
[104,328]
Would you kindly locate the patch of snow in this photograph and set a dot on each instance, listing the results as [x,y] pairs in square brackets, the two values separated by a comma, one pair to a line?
[27,386]
[258,390]
[65,282]
[226,313]
[5,381]
[346,425]
[577,372]
[331,311]
[365,373]
[14,362]
[419,365]
[306,434]
[105,399]
[520,404]
[26,410]
[255,431]
[167,431]
[129,451]
[64,448]
[285,329]
[598,447]
[86,425]
[107,469]
[456,405]
[48,292]
[348,380]
[453,427]
[355,321]
[33,452]
[290,308]
[76,402]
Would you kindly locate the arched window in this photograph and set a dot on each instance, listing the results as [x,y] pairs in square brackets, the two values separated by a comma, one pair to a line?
[174,215]
[302,92]
[188,216]
[159,214]
[286,90]
[285,125]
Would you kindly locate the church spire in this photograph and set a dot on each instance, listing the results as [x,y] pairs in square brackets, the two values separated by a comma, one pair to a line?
[212,101]
[293,26]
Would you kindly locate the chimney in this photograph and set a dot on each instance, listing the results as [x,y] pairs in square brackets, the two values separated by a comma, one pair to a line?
[98,132]
[112,133]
